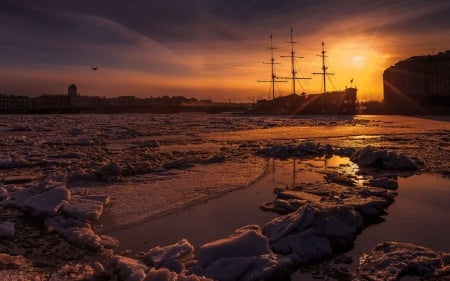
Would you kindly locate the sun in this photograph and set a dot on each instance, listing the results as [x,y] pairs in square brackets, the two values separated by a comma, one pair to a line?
[359,60]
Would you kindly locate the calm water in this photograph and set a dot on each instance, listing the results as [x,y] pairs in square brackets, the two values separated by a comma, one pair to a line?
[419,214]
[214,219]
[219,217]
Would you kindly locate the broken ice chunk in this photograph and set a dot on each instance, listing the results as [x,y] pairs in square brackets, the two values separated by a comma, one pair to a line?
[380,158]
[158,256]
[48,203]
[384,182]
[244,243]
[162,274]
[7,229]
[130,269]
[283,226]
[388,261]
[79,233]
[305,250]
[83,209]
[105,199]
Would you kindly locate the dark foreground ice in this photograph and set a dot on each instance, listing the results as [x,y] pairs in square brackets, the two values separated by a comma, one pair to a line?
[69,180]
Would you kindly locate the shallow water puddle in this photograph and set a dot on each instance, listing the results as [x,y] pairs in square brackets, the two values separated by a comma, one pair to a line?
[219,217]
[214,219]
[419,215]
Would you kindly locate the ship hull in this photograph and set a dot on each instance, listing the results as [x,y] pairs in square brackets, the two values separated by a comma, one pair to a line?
[340,102]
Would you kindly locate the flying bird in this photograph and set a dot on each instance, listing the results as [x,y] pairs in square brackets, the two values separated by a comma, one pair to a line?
[94,68]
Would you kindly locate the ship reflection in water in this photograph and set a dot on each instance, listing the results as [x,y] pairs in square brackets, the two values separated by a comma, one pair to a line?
[189,223]
[420,204]
[344,102]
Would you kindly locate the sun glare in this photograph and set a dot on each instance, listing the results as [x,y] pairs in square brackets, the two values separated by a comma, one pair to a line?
[362,61]
[358,60]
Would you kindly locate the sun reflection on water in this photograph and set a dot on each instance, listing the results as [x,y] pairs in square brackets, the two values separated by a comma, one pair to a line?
[294,171]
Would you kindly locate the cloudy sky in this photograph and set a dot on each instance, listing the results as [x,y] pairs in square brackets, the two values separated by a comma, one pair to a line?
[209,48]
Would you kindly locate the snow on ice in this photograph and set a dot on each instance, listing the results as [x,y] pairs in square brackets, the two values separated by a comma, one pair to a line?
[50,203]
[389,261]
[313,231]
[245,242]
[159,256]
[47,203]
[83,209]
[7,230]
[381,158]
[244,255]
[149,165]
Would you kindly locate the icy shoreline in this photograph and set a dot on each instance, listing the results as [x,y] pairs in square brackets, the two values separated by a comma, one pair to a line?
[216,159]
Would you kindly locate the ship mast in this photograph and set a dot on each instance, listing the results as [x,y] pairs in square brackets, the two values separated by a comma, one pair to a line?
[293,57]
[272,63]
[324,72]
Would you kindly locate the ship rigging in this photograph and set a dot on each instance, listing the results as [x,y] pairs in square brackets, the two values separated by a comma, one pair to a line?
[274,79]
[293,70]
[335,102]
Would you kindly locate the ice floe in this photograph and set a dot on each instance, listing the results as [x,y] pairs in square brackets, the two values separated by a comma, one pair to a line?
[381,158]
[369,197]
[79,271]
[327,227]
[8,261]
[7,230]
[244,243]
[297,150]
[389,261]
[384,182]
[47,203]
[13,160]
[130,269]
[83,208]
[160,256]
[244,255]
[213,155]
[61,212]
[75,231]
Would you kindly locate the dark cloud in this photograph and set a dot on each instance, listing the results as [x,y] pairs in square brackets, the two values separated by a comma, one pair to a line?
[44,36]
[174,20]
[170,36]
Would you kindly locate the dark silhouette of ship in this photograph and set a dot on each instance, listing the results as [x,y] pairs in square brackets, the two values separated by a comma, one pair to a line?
[327,102]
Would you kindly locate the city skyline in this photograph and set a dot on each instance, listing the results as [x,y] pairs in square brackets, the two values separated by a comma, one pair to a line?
[209,49]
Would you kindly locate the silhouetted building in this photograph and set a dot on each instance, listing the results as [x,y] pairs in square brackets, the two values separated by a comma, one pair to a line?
[125,101]
[420,84]
[73,102]
[51,104]
[14,104]
[72,91]
[339,102]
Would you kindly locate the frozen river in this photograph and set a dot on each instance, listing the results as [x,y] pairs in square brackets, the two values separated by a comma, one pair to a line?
[201,176]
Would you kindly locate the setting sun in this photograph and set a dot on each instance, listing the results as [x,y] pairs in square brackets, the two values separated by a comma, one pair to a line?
[210,52]
[216,140]
[358,60]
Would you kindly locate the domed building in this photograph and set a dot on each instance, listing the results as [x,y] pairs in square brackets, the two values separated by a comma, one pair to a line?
[72,91]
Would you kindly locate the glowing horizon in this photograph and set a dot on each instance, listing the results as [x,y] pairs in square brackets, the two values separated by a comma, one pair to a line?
[210,53]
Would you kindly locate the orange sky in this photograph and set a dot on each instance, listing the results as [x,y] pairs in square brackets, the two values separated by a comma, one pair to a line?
[214,53]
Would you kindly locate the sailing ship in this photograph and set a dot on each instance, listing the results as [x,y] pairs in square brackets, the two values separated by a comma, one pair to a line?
[331,102]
